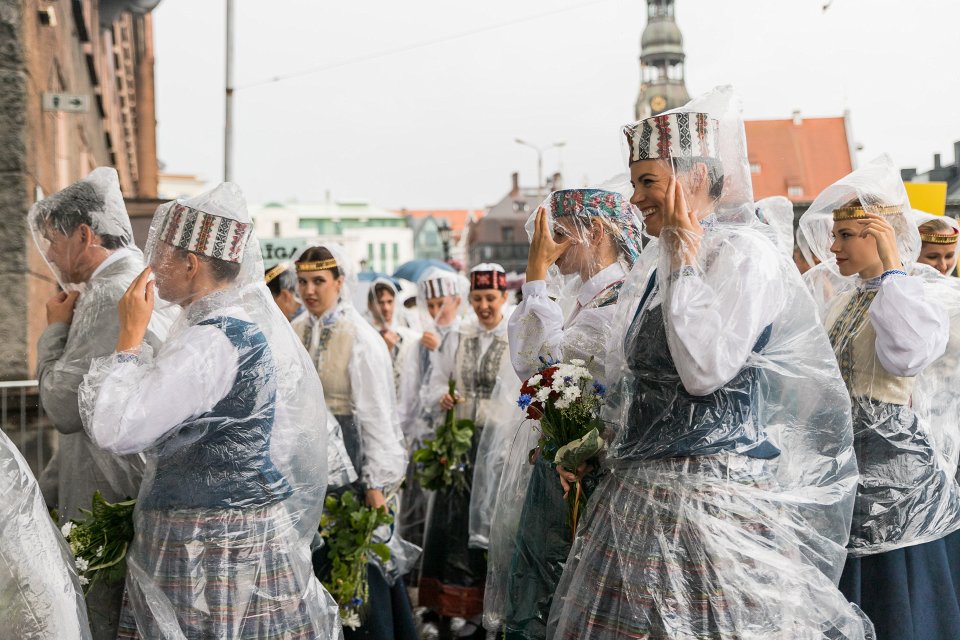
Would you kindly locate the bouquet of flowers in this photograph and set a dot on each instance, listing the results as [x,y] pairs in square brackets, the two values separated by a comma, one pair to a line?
[444,461]
[348,526]
[100,540]
[566,401]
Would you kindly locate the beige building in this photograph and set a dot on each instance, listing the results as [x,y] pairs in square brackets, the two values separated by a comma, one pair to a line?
[76,92]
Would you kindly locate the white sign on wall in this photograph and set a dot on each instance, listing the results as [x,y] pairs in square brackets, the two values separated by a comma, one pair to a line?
[70,102]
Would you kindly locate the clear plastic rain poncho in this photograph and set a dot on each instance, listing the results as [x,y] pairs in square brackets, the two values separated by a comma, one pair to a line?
[393,331]
[459,522]
[889,336]
[776,212]
[441,306]
[729,486]
[355,370]
[231,418]
[40,595]
[531,537]
[441,300]
[79,468]
[938,236]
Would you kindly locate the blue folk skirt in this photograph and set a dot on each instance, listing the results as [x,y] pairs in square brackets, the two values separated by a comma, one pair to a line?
[912,593]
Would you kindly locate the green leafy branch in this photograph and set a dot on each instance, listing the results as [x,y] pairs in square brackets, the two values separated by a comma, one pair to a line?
[445,460]
[348,525]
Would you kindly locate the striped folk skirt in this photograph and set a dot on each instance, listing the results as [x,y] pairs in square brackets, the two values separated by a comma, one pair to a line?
[698,548]
[224,574]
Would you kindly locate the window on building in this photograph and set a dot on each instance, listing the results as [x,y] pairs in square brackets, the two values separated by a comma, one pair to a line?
[507,233]
[396,252]
[519,206]
[276,229]
[795,192]
[754,168]
[487,252]
[370,252]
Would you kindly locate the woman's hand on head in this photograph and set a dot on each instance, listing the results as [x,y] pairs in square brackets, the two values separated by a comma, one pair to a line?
[135,308]
[682,223]
[544,250]
[882,231]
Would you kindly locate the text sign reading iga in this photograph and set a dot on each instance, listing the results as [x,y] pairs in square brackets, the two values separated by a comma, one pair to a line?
[70,102]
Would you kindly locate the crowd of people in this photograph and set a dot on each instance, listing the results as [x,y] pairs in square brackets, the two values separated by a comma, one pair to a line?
[779,410]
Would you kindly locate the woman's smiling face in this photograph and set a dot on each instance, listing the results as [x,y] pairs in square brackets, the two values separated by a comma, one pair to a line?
[650,179]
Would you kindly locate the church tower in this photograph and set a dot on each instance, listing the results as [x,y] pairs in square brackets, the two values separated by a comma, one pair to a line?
[662,86]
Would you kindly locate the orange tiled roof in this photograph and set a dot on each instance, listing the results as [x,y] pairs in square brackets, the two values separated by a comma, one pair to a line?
[458,218]
[811,154]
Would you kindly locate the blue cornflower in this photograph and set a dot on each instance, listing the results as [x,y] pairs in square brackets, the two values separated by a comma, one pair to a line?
[524,401]
[568,379]
[599,389]
[356,602]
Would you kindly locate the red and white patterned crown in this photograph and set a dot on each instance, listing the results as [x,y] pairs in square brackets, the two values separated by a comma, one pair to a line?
[204,233]
[488,276]
[674,135]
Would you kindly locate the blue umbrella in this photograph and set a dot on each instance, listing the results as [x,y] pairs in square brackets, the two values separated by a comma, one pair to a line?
[370,276]
[412,270]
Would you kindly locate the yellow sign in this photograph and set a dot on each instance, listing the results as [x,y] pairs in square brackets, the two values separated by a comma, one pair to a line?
[930,197]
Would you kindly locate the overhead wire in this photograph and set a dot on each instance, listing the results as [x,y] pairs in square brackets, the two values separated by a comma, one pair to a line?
[417,45]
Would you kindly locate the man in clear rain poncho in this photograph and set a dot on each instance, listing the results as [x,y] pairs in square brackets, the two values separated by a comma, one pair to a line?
[729,485]
[230,416]
[85,236]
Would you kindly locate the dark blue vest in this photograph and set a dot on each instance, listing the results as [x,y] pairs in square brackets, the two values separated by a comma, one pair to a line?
[665,421]
[221,459]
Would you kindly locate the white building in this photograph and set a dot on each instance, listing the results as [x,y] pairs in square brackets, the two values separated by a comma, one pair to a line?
[376,239]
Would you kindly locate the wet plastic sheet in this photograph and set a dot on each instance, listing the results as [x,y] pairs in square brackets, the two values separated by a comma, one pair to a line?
[895,340]
[231,418]
[40,595]
[530,537]
[730,482]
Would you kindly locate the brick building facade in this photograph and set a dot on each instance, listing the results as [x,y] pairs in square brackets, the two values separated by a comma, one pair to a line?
[101,51]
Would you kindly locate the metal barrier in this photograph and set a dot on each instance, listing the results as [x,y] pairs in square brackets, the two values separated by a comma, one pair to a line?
[22,419]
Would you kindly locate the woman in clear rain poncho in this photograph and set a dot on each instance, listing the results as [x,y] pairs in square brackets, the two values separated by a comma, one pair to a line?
[590,237]
[40,596]
[938,235]
[229,415]
[281,280]
[439,298]
[358,388]
[454,566]
[729,484]
[384,309]
[890,331]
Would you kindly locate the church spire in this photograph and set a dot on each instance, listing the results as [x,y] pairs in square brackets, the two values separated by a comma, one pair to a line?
[662,85]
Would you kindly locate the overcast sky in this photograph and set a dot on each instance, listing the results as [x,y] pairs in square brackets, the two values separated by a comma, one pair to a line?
[432,123]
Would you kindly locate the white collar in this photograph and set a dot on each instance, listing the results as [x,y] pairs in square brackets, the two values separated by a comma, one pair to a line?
[115,255]
[600,281]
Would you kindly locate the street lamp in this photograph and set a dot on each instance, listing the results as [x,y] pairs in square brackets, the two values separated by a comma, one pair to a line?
[539,150]
[445,232]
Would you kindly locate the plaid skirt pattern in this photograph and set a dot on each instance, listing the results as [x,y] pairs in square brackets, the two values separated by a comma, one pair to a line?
[697,548]
[225,574]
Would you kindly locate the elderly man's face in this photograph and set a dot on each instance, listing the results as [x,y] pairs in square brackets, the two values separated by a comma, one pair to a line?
[64,252]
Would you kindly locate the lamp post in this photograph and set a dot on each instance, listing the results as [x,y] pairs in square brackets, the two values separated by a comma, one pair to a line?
[445,232]
[539,150]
